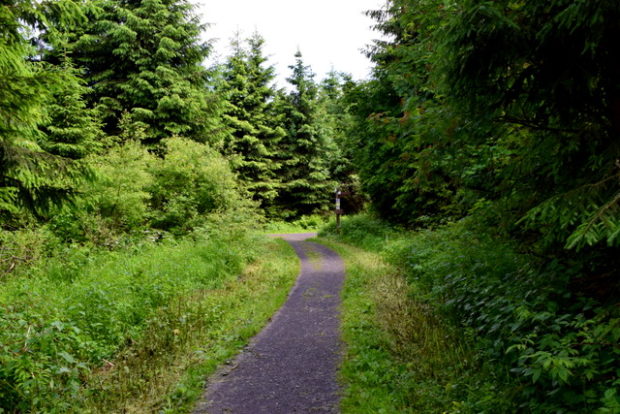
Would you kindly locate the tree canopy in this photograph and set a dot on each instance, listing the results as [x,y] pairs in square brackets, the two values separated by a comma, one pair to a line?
[255,131]
[143,61]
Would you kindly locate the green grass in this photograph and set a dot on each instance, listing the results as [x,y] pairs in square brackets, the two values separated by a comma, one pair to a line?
[218,324]
[458,320]
[134,330]
[400,356]
[304,224]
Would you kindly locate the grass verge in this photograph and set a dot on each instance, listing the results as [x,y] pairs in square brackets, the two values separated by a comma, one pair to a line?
[135,330]
[166,371]
[400,357]
[472,324]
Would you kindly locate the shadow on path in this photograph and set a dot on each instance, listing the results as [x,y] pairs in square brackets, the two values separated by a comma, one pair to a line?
[290,367]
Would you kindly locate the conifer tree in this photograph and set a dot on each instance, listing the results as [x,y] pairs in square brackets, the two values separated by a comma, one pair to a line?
[254,134]
[30,177]
[71,130]
[306,186]
[144,58]
[334,121]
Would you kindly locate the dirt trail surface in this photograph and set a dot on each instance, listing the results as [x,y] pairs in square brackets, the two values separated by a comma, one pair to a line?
[290,367]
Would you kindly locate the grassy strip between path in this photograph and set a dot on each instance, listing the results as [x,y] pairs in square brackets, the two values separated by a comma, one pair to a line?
[166,371]
[400,357]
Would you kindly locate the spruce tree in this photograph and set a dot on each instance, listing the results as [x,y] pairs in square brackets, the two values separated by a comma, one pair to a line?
[144,58]
[30,177]
[306,187]
[254,133]
[334,121]
[71,130]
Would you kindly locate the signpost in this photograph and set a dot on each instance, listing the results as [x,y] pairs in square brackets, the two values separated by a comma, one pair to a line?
[338,209]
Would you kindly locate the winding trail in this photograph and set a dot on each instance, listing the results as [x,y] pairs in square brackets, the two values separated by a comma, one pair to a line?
[290,366]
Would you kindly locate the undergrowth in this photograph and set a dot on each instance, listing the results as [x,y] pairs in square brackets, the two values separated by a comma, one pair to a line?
[530,342]
[401,356]
[304,224]
[88,331]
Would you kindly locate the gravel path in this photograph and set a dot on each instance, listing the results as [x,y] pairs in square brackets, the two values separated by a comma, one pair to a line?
[290,367]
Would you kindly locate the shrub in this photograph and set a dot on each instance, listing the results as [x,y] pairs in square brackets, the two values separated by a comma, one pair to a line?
[191,181]
[559,345]
[116,202]
[80,308]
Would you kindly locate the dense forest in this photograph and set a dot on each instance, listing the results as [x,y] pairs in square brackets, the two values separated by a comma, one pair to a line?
[484,143]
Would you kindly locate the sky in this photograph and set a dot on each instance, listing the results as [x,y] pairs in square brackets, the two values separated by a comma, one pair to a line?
[330,33]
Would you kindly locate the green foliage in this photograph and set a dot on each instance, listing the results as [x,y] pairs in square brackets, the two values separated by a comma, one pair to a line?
[401,136]
[21,248]
[552,94]
[301,225]
[335,123]
[505,112]
[71,130]
[144,58]
[164,368]
[191,181]
[529,317]
[138,194]
[508,102]
[255,135]
[306,183]
[399,356]
[80,308]
[115,203]
[30,177]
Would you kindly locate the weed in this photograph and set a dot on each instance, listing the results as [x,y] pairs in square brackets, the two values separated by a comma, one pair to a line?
[531,344]
[400,356]
[116,321]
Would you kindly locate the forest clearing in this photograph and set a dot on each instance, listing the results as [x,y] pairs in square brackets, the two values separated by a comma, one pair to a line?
[474,268]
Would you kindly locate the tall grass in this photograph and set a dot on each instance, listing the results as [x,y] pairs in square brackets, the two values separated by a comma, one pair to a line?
[514,335]
[91,331]
[165,371]
[401,357]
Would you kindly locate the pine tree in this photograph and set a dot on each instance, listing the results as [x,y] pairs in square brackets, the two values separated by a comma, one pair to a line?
[402,140]
[144,58]
[255,135]
[30,177]
[307,187]
[545,77]
[71,130]
[335,123]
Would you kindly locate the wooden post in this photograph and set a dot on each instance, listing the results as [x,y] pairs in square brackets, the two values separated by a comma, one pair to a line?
[338,210]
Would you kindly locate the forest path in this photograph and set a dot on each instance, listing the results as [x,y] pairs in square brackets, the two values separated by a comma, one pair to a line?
[291,365]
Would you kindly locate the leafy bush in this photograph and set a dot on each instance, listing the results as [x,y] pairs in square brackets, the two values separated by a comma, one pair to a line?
[113,204]
[191,181]
[138,193]
[559,345]
[80,308]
